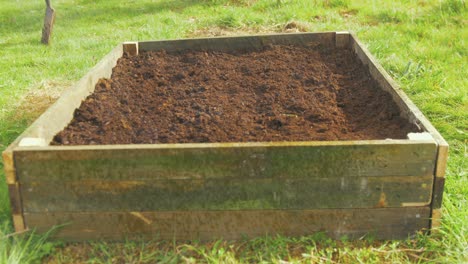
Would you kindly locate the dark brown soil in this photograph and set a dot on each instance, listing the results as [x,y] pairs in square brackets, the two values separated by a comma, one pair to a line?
[283,93]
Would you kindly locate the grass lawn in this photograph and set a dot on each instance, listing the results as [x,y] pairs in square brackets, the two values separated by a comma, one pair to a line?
[420,43]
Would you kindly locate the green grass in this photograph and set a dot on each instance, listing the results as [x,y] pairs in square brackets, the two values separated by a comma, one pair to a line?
[420,43]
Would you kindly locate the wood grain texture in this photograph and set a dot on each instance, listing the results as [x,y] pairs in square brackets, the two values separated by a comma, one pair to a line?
[227,194]
[342,39]
[14,193]
[388,223]
[410,111]
[18,223]
[442,156]
[9,167]
[15,198]
[131,48]
[256,42]
[211,161]
[438,192]
[436,218]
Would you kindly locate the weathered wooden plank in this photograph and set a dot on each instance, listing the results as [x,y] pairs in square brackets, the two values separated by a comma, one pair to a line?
[410,111]
[18,222]
[387,223]
[385,82]
[436,218]
[227,194]
[15,198]
[8,166]
[439,183]
[442,156]
[342,39]
[256,42]
[14,193]
[205,161]
[131,48]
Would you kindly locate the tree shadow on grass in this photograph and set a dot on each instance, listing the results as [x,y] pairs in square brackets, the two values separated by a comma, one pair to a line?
[14,20]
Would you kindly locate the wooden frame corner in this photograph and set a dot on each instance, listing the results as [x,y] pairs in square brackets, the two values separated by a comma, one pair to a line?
[18,223]
[130,47]
[342,39]
[436,219]
[16,207]
[442,156]
[437,192]
[8,167]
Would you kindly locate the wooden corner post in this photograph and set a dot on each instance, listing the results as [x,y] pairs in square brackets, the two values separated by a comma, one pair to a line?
[342,39]
[131,48]
[439,182]
[14,191]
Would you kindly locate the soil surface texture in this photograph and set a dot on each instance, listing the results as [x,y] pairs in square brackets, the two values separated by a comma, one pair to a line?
[281,93]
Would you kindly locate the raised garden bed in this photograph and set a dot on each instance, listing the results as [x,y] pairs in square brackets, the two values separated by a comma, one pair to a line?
[230,137]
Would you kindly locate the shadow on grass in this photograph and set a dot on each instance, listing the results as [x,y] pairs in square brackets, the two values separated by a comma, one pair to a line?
[69,13]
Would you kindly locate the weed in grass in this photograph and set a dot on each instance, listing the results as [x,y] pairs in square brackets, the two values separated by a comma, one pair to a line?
[229,20]
[453,6]
[392,16]
[336,3]
[25,247]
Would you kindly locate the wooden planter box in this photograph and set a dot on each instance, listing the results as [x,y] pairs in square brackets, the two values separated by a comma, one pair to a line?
[388,188]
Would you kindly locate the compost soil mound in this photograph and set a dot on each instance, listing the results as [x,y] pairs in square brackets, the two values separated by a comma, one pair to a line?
[281,93]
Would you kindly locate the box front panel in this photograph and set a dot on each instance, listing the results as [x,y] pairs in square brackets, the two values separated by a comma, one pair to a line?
[67,182]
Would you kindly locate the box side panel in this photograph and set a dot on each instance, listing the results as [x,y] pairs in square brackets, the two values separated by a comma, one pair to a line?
[412,113]
[407,107]
[49,123]
[239,43]
[388,223]
[56,117]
